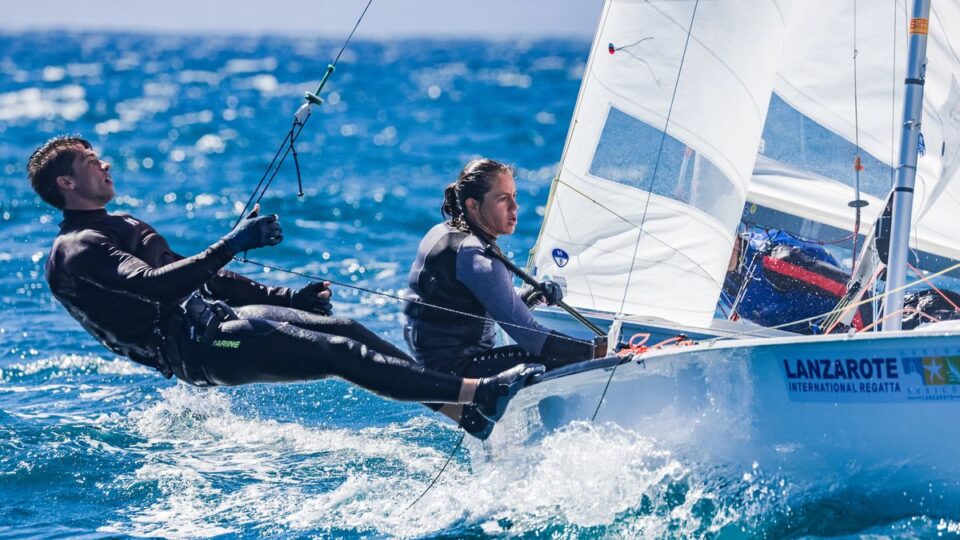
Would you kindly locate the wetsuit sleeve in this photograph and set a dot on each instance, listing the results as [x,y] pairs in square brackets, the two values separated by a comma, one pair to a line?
[238,290]
[490,281]
[106,265]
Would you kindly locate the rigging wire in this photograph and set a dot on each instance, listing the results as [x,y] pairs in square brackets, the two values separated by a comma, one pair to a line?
[288,148]
[836,310]
[296,127]
[857,204]
[656,163]
[399,298]
[437,477]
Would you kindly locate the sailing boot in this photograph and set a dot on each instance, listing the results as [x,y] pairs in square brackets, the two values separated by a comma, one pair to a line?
[475,423]
[494,393]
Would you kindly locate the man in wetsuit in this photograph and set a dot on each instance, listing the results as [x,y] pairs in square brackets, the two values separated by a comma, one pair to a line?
[190,318]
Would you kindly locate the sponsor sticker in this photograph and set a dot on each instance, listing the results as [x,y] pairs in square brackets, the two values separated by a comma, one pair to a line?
[560,257]
[872,378]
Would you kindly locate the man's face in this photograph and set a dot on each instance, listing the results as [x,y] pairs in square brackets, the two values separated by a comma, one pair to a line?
[89,185]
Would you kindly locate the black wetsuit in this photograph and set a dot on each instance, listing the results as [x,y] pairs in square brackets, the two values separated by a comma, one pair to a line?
[453,271]
[187,317]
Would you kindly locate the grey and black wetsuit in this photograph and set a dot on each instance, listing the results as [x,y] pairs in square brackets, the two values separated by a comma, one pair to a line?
[119,278]
[453,271]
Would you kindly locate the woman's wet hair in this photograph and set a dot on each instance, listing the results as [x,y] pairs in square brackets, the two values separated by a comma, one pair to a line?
[53,159]
[474,182]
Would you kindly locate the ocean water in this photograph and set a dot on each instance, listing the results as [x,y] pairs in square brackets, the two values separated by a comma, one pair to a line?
[92,445]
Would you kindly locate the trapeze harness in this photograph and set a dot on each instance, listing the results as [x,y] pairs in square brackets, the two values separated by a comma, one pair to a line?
[457,293]
[187,317]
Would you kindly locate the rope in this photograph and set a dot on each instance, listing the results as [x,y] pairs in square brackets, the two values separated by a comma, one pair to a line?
[934,287]
[870,283]
[833,311]
[437,477]
[748,275]
[296,128]
[636,349]
[273,168]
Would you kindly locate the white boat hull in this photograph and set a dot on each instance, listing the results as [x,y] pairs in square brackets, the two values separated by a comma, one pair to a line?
[892,407]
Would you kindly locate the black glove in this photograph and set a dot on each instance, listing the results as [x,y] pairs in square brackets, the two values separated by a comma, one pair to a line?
[531,296]
[549,292]
[552,293]
[254,232]
[314,297]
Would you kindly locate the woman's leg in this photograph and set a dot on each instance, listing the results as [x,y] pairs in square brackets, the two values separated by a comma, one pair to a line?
[484,364]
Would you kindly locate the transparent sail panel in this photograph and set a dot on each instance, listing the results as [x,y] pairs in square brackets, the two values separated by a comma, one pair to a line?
[816,78]
[796,140]
[629,150]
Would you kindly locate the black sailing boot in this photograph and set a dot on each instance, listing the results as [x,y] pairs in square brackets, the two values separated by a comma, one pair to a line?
[494,393]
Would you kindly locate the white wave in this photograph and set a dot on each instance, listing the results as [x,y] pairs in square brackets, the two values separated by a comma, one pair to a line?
[193,439]
[555,483]
[215,472]
[63,365]
[66,102]
[243,65]
[218,472]
[210,143]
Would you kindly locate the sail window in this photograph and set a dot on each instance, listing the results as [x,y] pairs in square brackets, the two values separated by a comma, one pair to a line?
[794,139]
[627,154]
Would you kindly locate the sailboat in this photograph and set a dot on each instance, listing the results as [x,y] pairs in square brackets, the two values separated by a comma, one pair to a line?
[696,115]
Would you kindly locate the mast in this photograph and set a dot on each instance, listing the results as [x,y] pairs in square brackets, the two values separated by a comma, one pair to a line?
[906,165]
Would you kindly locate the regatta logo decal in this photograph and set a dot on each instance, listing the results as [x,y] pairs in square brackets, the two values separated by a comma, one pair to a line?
[560,257]
[939,376]
[850,375]
[924,378]
[941,370]
[226,344]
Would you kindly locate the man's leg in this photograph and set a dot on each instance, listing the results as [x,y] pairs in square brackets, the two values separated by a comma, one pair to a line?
[256,350]
[338,326]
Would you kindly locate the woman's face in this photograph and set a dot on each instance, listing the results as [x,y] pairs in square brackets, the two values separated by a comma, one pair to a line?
[497,213]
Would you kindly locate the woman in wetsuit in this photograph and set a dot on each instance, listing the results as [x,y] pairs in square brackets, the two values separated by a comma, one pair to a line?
[459,290]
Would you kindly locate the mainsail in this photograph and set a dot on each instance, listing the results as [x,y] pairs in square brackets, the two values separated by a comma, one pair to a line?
[817,81]
[659,156]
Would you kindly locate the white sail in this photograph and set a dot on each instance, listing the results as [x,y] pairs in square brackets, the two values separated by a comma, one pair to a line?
[816,77]
[658,161]
[938,170]
[804,194]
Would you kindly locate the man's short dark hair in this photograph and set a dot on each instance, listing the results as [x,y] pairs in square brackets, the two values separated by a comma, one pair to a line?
[53,159]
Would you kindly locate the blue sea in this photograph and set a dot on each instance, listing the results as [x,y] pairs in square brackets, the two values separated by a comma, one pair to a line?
[92,445]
